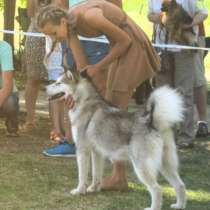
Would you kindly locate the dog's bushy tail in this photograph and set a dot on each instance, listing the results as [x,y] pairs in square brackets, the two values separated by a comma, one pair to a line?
[165,108]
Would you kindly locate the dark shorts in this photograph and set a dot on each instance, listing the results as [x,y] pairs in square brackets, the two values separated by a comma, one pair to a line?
[94,51]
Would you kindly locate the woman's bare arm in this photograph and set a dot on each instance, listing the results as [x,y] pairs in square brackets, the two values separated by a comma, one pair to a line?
[6,90]
[119,38]
[78,52]
[116,2]
[32,7]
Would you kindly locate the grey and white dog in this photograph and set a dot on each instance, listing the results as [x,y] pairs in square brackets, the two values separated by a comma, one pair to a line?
[100,129]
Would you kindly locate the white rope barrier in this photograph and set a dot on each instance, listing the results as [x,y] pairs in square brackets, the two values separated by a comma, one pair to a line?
[22,33]
[184,47]
[98,39]
[102,39]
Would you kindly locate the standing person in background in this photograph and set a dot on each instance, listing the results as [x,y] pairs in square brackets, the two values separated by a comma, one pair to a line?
[178,67]
[35,52]
[9,106]
[200,87]
[94,18]
[35,69]
[61,132]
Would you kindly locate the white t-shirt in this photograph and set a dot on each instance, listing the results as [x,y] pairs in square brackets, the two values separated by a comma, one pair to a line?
[6,61]
[54,62]
[74,2]
[191,6]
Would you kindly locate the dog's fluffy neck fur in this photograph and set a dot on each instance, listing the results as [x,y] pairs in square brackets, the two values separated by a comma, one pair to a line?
[83,95]
[87,97]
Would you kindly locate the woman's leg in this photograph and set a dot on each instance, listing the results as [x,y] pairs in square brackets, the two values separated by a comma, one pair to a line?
[31,93]
[67,125]
[56,109]
[118,179]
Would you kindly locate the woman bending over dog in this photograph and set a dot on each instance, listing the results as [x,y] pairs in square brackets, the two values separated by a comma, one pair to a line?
[130,61]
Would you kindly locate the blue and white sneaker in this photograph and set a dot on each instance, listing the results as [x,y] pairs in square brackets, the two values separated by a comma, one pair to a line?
[64,149]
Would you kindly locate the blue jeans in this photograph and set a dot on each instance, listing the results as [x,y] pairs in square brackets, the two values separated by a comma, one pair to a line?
[95,51]
[10,110]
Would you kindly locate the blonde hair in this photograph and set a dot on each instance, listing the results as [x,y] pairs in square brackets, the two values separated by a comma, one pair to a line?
[52,14]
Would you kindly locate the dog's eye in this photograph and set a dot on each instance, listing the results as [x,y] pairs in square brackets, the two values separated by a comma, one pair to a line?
[51,82]
[57,83]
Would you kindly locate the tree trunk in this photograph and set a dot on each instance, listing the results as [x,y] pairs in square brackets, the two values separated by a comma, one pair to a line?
[9,17]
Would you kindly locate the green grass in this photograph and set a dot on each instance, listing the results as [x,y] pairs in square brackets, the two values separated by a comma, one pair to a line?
[30,181]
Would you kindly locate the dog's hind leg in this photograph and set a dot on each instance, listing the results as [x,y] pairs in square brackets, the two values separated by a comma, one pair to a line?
[83,162]
[170,171]
[97,172]
[148,175]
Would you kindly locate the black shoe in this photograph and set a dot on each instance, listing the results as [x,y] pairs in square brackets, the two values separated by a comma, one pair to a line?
[202,130]
[185,145]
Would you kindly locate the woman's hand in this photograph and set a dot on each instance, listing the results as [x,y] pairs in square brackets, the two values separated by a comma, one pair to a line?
[91,70]
[68,101]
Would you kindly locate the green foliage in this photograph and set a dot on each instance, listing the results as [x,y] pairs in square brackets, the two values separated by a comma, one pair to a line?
[22,3]
[1,4]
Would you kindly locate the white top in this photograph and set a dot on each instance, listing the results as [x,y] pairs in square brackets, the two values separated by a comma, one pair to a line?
[74,2]
[54,62]
[191,6]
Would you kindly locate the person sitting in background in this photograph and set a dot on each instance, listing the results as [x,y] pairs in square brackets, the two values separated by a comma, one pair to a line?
[9,106]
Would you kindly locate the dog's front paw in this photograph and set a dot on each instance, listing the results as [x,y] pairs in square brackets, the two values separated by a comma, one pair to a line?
[78,191]
[94,188]
[177,206]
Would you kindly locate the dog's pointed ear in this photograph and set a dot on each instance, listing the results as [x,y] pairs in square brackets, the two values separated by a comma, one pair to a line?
[73,75]
[69,74]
